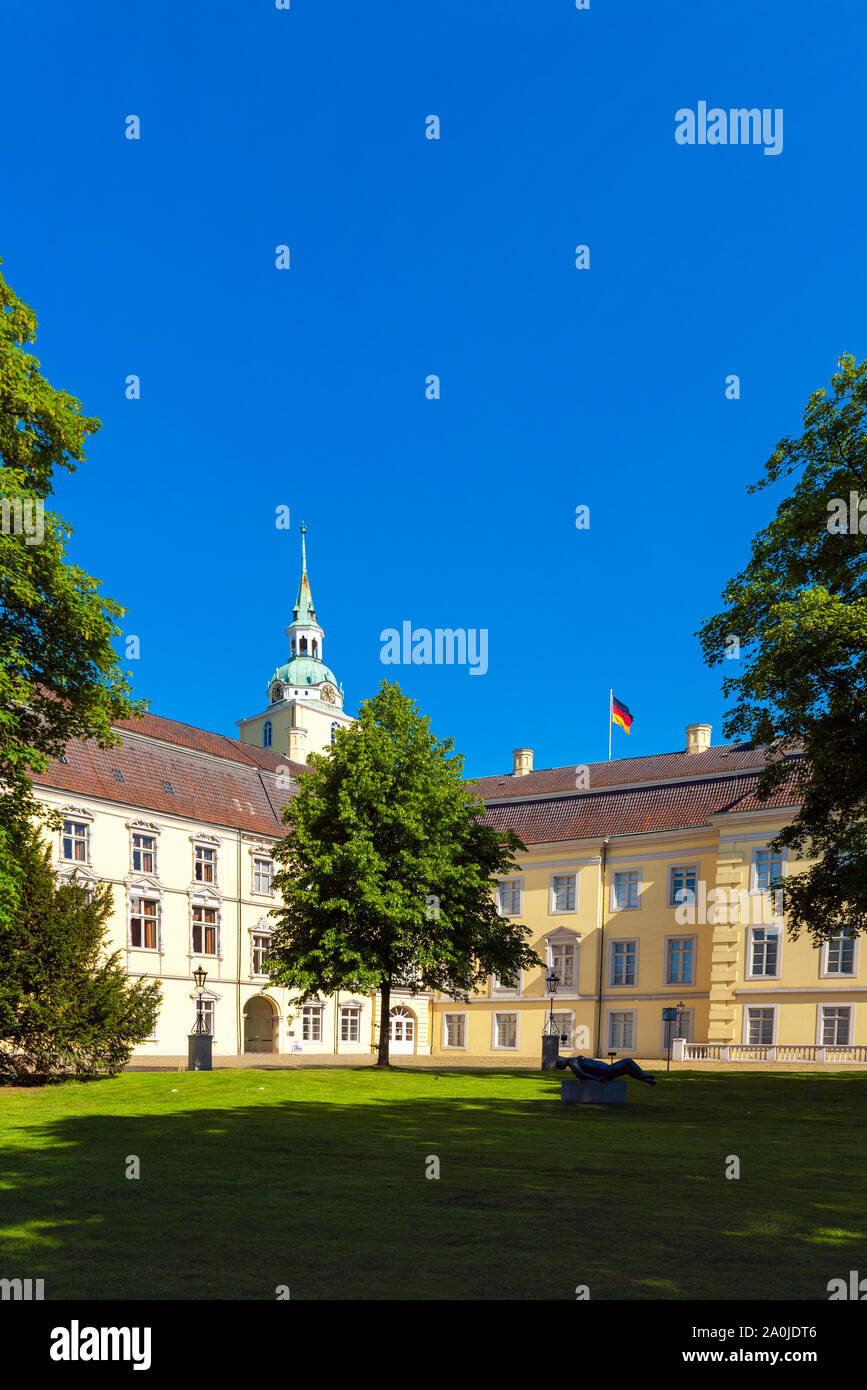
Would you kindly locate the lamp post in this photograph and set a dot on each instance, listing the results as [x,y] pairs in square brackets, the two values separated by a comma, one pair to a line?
[550,1034]
[200,1048]
[200,976]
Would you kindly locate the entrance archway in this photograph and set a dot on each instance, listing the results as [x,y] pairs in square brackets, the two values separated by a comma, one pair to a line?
[259,1020]
[401,1029]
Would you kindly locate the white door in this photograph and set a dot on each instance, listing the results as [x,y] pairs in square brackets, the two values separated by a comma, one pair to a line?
[401,1030]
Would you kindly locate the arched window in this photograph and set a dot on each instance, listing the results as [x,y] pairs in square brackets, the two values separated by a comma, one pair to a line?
[334,727]
[293,646]
[315,647]
[303,647]
[266,734]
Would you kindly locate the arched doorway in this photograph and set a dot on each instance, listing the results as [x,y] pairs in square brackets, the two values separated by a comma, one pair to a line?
[401,1029]
[259,1024]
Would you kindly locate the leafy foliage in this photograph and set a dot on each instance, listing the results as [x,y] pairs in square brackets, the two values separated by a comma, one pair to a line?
[66,1008]
[387,869]
[799,610]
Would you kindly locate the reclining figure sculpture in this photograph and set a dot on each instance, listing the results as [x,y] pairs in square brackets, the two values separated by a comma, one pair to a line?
[593,1069]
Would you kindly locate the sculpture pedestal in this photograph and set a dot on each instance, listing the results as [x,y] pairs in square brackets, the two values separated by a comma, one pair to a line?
[594,1092]
[199,1054]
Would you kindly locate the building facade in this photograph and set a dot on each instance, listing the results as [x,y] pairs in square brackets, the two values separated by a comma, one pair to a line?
[644,885]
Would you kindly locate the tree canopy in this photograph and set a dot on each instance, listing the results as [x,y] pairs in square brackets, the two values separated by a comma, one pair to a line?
[796,619]
[388,869]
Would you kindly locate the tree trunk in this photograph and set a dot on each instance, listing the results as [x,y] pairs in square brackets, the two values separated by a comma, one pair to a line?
[384,1022]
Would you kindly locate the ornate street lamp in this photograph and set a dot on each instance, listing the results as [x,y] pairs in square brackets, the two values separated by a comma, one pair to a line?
[550,1033]
[200,976]
[552,980]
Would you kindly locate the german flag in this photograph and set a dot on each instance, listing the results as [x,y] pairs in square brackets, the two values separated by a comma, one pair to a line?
[620,714]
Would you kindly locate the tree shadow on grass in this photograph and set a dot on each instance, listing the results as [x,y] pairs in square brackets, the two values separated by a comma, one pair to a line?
[243,1190]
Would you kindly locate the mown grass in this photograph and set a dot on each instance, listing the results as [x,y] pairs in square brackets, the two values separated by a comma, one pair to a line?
[316,1180]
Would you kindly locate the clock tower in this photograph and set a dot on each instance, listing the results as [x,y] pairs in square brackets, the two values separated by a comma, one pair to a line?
[303,700]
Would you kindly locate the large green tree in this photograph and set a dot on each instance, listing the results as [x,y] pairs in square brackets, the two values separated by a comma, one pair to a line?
[67,1007]
[796,620]
[388,869]
[59,675]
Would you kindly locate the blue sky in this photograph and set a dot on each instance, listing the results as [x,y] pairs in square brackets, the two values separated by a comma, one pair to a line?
[409,256]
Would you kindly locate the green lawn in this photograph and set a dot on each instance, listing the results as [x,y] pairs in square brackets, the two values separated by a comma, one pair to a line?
[316,1180]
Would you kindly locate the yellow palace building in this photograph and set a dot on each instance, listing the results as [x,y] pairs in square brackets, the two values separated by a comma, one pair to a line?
[644,885]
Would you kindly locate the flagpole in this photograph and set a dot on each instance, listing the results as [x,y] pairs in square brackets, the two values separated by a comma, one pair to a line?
[610,712]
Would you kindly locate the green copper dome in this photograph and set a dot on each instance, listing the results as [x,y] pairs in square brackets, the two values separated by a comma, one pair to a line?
[302,671]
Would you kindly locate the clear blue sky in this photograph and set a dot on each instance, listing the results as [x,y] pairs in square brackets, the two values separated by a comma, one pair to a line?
[409,257]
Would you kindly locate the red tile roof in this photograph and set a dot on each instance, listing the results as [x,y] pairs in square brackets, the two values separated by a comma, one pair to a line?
[668,806]
[233,784]
[221,781]
[655,767]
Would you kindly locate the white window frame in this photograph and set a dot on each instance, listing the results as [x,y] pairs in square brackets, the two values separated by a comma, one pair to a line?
[630,907]
[559,940]
[679,936]
[464,1017]
[209,1003]
[519,880]
[681,869]
[208,843]
[826,974]
[505,1013]
[137,895]
[570,1014]
[553,909]
[686,1014]
[755,890]
[262,858]
[623,941]
[345,1010]
[612,1046]
[499,991]
[254,933]
[320,1010]
[77,816]
[765,927]
[820,1020]
[143,827]
[207,904]
[745,1029]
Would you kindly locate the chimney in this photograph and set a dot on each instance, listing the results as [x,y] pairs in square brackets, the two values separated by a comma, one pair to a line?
[523,761]
[698,737]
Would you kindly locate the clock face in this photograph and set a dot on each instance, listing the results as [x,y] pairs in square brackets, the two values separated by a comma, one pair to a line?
[276,692]
[329,694]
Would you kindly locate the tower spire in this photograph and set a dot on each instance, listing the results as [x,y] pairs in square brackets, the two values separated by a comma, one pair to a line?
[304,612]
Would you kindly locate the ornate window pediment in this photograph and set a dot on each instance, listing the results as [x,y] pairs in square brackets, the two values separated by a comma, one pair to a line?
[204,893]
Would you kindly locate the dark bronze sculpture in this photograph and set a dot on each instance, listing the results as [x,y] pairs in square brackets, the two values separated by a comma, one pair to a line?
[592,1069]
